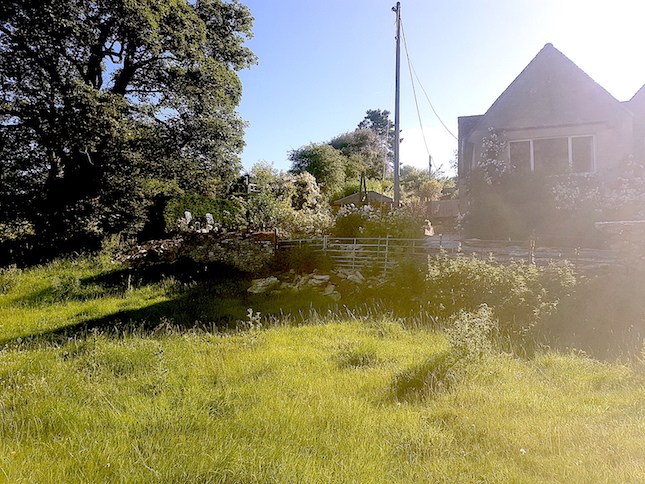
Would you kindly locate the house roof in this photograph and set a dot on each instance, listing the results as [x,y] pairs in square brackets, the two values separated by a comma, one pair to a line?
[466,125]
[370,197]
[637,102]
[551,91]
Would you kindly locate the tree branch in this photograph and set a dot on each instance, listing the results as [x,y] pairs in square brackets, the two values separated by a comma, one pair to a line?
[31,53]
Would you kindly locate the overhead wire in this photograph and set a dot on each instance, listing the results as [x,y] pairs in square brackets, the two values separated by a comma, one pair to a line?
[414,92]
[413,74]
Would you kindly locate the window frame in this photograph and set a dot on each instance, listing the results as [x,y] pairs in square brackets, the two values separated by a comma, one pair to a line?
[569,139]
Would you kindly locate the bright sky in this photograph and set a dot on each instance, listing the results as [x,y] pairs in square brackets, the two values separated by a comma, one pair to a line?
[322,64]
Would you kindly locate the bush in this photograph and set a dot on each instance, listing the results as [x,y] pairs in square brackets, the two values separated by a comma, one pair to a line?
[306,222]
[405,222]
[604,316]
[520,296]
[302,260]
[226,213]
[471,334]
[8,278]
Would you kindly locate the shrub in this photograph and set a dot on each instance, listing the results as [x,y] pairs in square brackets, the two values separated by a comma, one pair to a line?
[520,296]
[366,221]
[306,222]
[604,316]
[226,213]
[471,333]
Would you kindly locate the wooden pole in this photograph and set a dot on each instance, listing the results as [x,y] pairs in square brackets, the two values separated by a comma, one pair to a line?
[397,129]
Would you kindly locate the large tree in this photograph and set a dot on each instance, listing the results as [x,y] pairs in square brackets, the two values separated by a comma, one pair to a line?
[364,151]
[323,161]
[378,121]
[106,103]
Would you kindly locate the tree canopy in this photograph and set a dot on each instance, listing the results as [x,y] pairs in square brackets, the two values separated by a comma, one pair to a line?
[364,152]
[323,161]
[107,104]
[378,120]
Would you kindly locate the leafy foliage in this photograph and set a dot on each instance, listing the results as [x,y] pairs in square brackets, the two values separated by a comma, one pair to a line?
[471,334]
[99,98]
[353,185]
[520,296]
[226,214]
[420,185]
[366,221]
[604,316]
[364,151]
[290,203]
[323,161]
[378,120]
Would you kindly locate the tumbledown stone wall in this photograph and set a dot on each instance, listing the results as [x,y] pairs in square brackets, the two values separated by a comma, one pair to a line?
[245,252]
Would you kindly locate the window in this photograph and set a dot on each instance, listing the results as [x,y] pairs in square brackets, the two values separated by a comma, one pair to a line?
[521,155]
[553,156]
[582,154]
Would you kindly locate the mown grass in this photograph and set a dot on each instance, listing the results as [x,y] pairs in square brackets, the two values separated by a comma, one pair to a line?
[338,400]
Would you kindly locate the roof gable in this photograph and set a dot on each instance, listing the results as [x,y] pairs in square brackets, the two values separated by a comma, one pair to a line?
[552,91]
[637,102]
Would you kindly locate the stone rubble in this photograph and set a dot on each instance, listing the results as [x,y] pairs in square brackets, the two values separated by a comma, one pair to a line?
[326,284]
[245,252]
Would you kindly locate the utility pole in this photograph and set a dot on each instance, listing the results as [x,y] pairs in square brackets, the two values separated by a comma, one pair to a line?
[397,129]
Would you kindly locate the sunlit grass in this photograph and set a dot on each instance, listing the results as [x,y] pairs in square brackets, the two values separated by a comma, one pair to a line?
[339,400]
[54,296]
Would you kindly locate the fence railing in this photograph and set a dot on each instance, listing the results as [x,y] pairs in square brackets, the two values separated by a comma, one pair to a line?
[356,253]
[385,252]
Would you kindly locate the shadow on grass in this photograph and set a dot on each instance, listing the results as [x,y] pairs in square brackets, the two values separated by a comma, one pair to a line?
[212,306]
[117,282]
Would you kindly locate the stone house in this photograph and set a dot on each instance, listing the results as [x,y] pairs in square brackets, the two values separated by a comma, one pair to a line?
[555,120]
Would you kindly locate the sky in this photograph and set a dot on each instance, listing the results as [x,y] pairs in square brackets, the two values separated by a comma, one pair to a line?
[323,64]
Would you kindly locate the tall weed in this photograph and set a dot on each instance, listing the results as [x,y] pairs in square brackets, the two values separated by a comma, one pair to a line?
[471,334]
[8,278]
[519,296]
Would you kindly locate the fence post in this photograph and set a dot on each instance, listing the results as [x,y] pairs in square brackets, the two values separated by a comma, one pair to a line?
[386,261]
[354,255]
[577,252]
[532,250]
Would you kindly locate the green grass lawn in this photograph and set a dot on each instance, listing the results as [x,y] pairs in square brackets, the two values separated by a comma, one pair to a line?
[338,400]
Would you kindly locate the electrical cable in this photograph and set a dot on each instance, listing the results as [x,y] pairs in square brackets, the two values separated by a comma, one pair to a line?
[412,70]
[414,94]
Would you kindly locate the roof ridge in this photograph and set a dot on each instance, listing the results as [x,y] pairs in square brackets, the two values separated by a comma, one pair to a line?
[549,47]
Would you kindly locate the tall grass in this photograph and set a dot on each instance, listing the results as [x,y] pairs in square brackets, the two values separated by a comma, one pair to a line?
[364,399]
[317,404]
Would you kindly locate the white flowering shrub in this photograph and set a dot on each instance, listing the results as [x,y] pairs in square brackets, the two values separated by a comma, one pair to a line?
[494,163]
[404,222]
